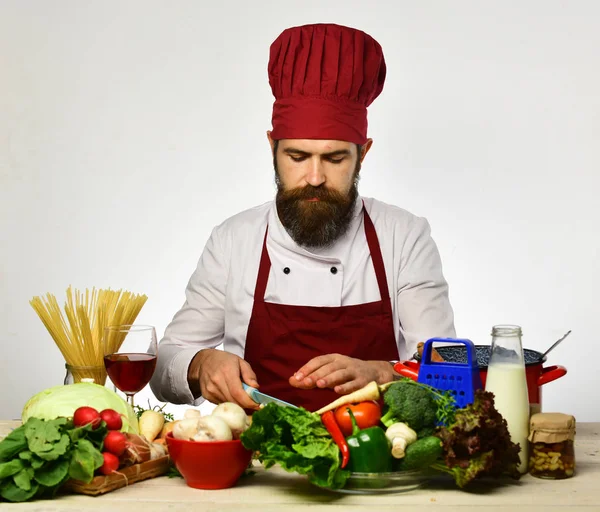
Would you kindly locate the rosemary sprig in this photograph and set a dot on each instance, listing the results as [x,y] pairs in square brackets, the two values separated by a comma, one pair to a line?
[139,411]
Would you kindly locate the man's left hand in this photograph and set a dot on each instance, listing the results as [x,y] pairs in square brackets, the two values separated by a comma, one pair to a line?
[341,373]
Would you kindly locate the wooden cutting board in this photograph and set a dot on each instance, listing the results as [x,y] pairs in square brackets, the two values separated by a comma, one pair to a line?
[127,476]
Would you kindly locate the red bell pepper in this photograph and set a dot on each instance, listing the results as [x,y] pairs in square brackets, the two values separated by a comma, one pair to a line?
[367,414]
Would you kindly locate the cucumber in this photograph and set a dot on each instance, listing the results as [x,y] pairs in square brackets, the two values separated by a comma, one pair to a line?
[420,454]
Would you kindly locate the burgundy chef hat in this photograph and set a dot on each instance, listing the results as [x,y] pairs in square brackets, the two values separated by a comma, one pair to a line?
[324,77]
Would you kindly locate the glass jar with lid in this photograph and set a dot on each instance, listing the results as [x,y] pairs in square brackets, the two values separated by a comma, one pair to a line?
[551,443]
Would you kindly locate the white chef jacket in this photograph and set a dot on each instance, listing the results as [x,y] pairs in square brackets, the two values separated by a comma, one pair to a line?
[220,292]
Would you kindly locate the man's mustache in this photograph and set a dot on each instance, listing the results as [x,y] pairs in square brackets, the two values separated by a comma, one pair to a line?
[321,193]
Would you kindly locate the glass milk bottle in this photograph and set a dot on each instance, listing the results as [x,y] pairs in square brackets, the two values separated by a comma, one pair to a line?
[506,379]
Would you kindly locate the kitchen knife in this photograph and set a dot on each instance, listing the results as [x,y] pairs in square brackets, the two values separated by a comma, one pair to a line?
[261,398]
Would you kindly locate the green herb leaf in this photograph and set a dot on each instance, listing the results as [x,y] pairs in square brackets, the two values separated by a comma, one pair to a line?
[58,449]
[13,443]
[12,492]
[85,460]
[138,411]
[11,468]
[79,433]
[26,455]
[23,479]
[95,436]
[174,473]
[36,462]
[42,434]
[53,473]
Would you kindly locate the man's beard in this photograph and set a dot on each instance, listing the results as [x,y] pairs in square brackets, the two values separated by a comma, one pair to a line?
[315,224]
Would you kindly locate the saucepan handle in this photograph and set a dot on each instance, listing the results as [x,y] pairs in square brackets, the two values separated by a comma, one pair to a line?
[408,369]
[551,373]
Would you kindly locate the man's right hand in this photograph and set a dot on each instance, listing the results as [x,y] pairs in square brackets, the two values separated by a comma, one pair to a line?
[217,376]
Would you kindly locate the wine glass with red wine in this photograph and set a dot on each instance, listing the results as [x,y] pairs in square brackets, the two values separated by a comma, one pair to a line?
[130,357]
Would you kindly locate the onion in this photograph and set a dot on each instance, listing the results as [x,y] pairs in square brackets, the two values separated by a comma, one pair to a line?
[138,450]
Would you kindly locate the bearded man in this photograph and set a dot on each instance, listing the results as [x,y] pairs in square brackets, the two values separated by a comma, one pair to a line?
[319,292]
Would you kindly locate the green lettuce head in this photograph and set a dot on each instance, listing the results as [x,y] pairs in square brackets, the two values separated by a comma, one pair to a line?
[63,400]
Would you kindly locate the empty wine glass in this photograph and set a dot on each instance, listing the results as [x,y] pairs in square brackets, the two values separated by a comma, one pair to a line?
[130,353]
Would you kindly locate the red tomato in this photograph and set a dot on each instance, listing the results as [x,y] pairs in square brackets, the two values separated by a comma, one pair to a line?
[111,464]
[115,442]
[112,419]
[367,415]
[85,415]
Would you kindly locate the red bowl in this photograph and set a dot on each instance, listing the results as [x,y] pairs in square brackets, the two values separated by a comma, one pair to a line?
[209,464]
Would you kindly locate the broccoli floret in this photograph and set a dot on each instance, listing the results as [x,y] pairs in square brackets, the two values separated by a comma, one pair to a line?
[426,432]
[410,404]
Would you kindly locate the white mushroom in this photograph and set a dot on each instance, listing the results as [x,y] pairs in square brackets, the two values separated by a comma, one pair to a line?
[186,429]
[234,416]
[192,413]
[212,428]
[400,435]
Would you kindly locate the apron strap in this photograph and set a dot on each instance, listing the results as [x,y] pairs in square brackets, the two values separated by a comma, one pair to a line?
[376,256]
[374,248]
[263,272]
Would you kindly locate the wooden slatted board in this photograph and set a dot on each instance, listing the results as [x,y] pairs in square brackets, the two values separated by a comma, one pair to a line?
[127,476]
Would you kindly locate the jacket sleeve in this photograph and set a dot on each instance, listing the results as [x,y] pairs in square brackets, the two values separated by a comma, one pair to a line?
[198,325]
[424,308]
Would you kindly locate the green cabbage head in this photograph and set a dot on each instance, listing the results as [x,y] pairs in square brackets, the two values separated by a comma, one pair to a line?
[63,400]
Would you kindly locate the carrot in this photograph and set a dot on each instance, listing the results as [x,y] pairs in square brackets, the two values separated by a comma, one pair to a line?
[372,391]
[151,423]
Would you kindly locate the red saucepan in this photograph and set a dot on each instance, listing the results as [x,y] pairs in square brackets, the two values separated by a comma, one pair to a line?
[537,375]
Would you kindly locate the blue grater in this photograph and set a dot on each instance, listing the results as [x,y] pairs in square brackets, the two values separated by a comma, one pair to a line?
[462,379]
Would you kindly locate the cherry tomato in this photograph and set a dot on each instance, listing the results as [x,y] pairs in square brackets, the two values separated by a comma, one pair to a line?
[367,415]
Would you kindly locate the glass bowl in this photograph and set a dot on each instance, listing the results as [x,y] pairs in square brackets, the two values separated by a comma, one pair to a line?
[385,483]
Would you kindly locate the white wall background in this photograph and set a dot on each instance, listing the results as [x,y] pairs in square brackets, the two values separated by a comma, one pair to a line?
[128,129]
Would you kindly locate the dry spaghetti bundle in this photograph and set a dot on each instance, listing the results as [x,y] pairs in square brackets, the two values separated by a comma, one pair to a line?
[79,332]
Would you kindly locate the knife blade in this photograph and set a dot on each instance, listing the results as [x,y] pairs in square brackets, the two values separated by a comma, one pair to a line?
[261,398]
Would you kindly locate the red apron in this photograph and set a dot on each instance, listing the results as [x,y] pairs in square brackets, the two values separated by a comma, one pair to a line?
[282,338]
